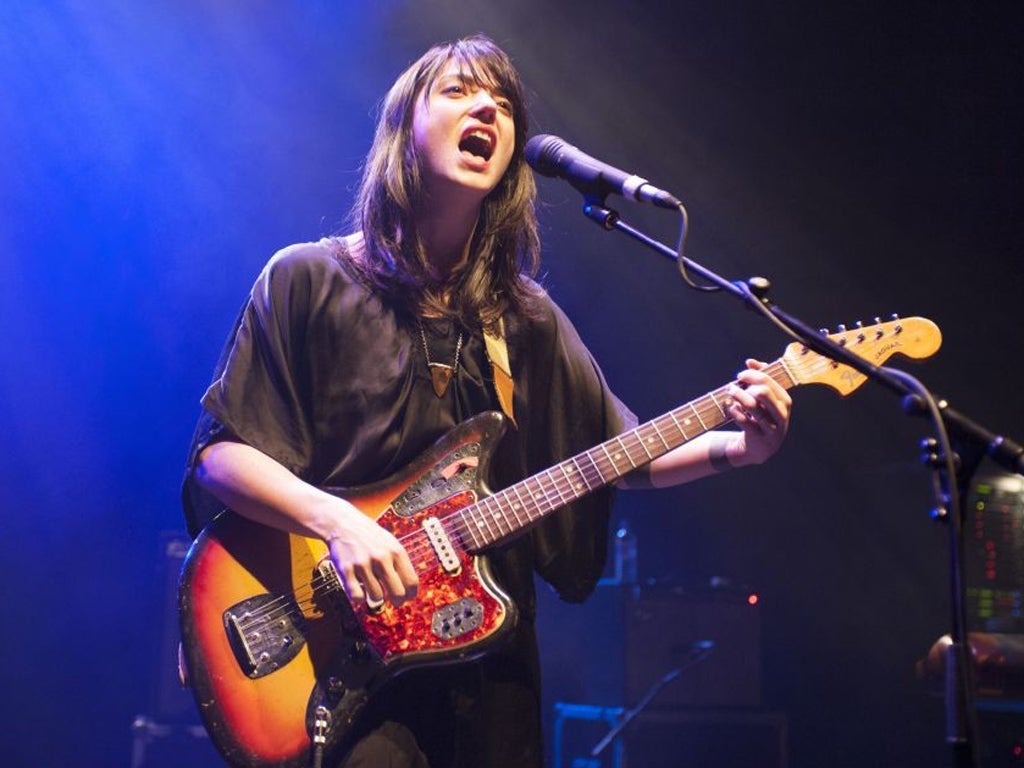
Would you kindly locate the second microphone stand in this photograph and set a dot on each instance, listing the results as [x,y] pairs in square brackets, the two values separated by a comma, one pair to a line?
[950,484]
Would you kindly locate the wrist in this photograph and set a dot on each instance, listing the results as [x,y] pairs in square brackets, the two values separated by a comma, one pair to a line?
[729,452]
[718,456]
[327,516]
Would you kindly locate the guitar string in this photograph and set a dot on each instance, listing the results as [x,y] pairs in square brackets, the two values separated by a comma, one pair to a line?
[304,596]
[287,604]
[564,487]
[421,550]
[270,612]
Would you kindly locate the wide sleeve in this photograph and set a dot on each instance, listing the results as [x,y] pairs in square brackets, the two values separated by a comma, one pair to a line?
[259,393]
[578,411]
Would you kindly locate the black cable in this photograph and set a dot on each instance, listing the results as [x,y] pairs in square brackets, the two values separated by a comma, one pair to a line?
[684,230]
[948,502]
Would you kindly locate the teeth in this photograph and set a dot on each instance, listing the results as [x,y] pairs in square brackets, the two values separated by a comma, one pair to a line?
[478,142]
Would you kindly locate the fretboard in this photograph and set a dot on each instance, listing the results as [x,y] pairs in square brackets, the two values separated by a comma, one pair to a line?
[506,513]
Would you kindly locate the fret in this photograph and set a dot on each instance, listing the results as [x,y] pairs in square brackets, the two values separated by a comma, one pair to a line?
[719,415]
[540,496]
[575,486]
[511,522]
[483,522]
[509,503]
[615,467]
[640,440]
[678,425]
[554,484]
[664,442]
[522,503]
[718,405]
[468,528]
[597,468]
[625,451]
[697,414]
[498,516]
[582,476]
[784,367]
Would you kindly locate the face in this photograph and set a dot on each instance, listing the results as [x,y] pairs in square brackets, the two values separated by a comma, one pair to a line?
[464,135]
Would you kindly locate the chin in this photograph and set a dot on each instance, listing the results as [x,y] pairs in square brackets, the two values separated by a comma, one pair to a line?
[482,184]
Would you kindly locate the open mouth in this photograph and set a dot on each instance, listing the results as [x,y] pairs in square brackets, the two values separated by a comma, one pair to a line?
[478,143]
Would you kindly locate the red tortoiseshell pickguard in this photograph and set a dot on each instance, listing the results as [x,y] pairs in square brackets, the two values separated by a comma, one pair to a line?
[407,629]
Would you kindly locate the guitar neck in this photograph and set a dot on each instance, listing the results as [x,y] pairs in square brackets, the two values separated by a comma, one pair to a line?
[506,513]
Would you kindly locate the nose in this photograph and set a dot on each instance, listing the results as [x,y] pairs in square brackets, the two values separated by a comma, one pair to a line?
[485,108]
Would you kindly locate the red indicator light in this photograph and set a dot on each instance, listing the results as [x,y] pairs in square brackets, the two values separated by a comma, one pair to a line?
[752,599]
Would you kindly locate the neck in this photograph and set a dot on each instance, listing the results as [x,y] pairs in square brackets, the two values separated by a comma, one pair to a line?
[446,235]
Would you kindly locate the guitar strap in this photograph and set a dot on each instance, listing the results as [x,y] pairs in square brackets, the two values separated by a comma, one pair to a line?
[497,354]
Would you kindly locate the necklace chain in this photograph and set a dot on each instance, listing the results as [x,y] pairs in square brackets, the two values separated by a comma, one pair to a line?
[440,373]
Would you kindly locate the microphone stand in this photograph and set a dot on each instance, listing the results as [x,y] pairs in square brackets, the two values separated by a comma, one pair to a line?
[698,651]
[950,486]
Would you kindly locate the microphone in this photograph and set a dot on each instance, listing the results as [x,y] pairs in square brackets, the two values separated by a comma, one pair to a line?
[551,156]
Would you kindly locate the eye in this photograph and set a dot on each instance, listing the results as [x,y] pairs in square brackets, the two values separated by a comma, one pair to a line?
[504,104]
[453,88]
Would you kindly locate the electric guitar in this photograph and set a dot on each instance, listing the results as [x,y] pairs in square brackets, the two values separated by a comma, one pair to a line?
[281,663]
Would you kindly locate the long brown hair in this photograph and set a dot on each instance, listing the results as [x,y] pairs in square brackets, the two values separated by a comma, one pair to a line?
[505,243]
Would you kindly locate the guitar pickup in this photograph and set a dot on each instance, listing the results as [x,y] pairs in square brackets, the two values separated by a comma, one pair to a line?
[442,545]
[264,634]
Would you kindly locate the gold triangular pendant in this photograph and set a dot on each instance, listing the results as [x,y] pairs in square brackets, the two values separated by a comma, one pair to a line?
[440,376]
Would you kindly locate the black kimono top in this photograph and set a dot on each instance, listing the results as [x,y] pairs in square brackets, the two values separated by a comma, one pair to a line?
[324,376]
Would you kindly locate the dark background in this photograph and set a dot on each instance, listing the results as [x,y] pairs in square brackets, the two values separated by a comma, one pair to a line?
[865,157]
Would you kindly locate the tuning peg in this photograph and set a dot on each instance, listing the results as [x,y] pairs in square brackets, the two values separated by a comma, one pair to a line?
[841,328]
[878,320]
[859,324]
[823,331]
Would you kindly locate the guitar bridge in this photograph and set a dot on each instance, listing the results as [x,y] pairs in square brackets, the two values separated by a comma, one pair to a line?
[264,633]
[457,619]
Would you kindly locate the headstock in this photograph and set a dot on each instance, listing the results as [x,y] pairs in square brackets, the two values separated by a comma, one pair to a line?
[914,337]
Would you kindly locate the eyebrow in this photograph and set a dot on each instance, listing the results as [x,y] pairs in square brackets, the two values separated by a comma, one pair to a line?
[467,78]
